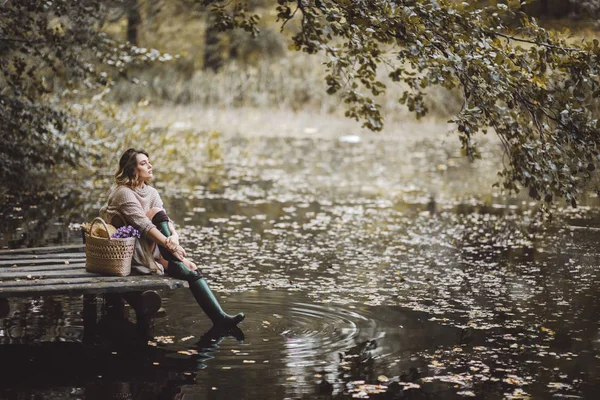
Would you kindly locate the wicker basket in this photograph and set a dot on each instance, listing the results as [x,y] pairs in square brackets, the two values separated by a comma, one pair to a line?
[110,256]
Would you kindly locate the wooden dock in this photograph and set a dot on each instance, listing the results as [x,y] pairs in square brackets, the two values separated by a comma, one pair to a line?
[50,271]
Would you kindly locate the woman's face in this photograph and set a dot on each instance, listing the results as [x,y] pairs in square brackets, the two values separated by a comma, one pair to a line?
[144,168]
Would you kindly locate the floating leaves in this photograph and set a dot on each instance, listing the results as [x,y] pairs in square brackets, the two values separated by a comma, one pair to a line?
[164,339]
[362,390]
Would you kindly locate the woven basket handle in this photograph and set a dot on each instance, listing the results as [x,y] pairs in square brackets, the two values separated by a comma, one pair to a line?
[103,223]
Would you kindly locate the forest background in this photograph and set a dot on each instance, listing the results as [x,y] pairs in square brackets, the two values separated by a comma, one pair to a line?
[158,56]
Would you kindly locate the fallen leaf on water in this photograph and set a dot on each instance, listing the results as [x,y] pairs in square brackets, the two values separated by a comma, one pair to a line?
[514,380]
[164,339]
[188,352]
[548,331]
[436,364]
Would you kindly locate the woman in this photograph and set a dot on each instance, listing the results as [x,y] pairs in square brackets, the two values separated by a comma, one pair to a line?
[133,202]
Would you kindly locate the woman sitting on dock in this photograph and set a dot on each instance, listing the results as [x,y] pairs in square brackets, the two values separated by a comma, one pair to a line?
[133,202]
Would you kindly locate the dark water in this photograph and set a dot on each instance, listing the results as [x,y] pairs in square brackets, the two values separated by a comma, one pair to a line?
[373,269]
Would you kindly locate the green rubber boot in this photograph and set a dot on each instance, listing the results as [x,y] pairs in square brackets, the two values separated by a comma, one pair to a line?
[209,303]
[178,270]
[163,227]
[198,286]
[203,295]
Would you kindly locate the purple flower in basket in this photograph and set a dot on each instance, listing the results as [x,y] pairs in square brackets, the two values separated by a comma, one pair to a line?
[126,232]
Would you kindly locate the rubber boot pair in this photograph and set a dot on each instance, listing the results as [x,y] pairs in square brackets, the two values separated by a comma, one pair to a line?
[198,286]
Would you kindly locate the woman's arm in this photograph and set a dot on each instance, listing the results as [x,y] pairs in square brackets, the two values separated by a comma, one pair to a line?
[160,239]
[174,235]
[128,206]
[173,240]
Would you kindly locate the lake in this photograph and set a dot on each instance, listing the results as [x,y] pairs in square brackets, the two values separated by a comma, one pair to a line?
[368,267]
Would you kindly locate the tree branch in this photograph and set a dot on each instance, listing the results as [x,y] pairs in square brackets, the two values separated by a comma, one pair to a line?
[517,39]
[289,18]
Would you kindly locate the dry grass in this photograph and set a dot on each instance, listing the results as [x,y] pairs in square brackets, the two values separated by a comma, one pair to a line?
[292,83]
[264,74]
[260,78]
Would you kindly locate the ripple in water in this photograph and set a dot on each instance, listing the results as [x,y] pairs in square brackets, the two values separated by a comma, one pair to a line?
[296,344]
[291,347]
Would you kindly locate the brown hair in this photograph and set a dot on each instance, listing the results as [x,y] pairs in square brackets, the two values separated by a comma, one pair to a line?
[127,175]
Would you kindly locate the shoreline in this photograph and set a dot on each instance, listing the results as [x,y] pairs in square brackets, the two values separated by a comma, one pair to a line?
[257,122]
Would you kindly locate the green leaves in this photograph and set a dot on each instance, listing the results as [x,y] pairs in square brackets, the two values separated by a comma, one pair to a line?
[536,91]
[51,53]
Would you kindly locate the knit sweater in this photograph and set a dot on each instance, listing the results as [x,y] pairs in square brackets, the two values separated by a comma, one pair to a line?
[130,206]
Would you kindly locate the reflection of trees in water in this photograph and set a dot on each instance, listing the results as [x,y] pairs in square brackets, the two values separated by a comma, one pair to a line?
[96,372]
[402,337]
[43,219]
[133,391]
[118,365]
[48,319]
[358,364]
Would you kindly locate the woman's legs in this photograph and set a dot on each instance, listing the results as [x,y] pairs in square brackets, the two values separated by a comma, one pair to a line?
[161,220]
[198,286]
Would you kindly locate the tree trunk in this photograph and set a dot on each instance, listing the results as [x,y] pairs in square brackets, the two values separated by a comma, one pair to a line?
[133,21]
[213,57]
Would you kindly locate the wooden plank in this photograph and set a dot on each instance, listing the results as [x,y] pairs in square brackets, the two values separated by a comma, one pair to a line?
[113,280]
[44,271]
[53,249]
[36,268]
[64,273]
[62,281]
[94,288]
[79,254]
[91,279]
[38,261]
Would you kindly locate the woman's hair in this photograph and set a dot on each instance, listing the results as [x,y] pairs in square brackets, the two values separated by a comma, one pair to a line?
[127,175]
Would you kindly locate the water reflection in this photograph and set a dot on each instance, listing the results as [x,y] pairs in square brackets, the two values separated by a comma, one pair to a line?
[287,348]
[43,219]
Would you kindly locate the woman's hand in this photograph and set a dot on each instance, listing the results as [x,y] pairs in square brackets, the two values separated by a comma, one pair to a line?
[179,252]
[174,238]
[189,264]
[172,243]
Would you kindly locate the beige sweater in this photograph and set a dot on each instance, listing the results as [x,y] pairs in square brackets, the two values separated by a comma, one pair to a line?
[127,206]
